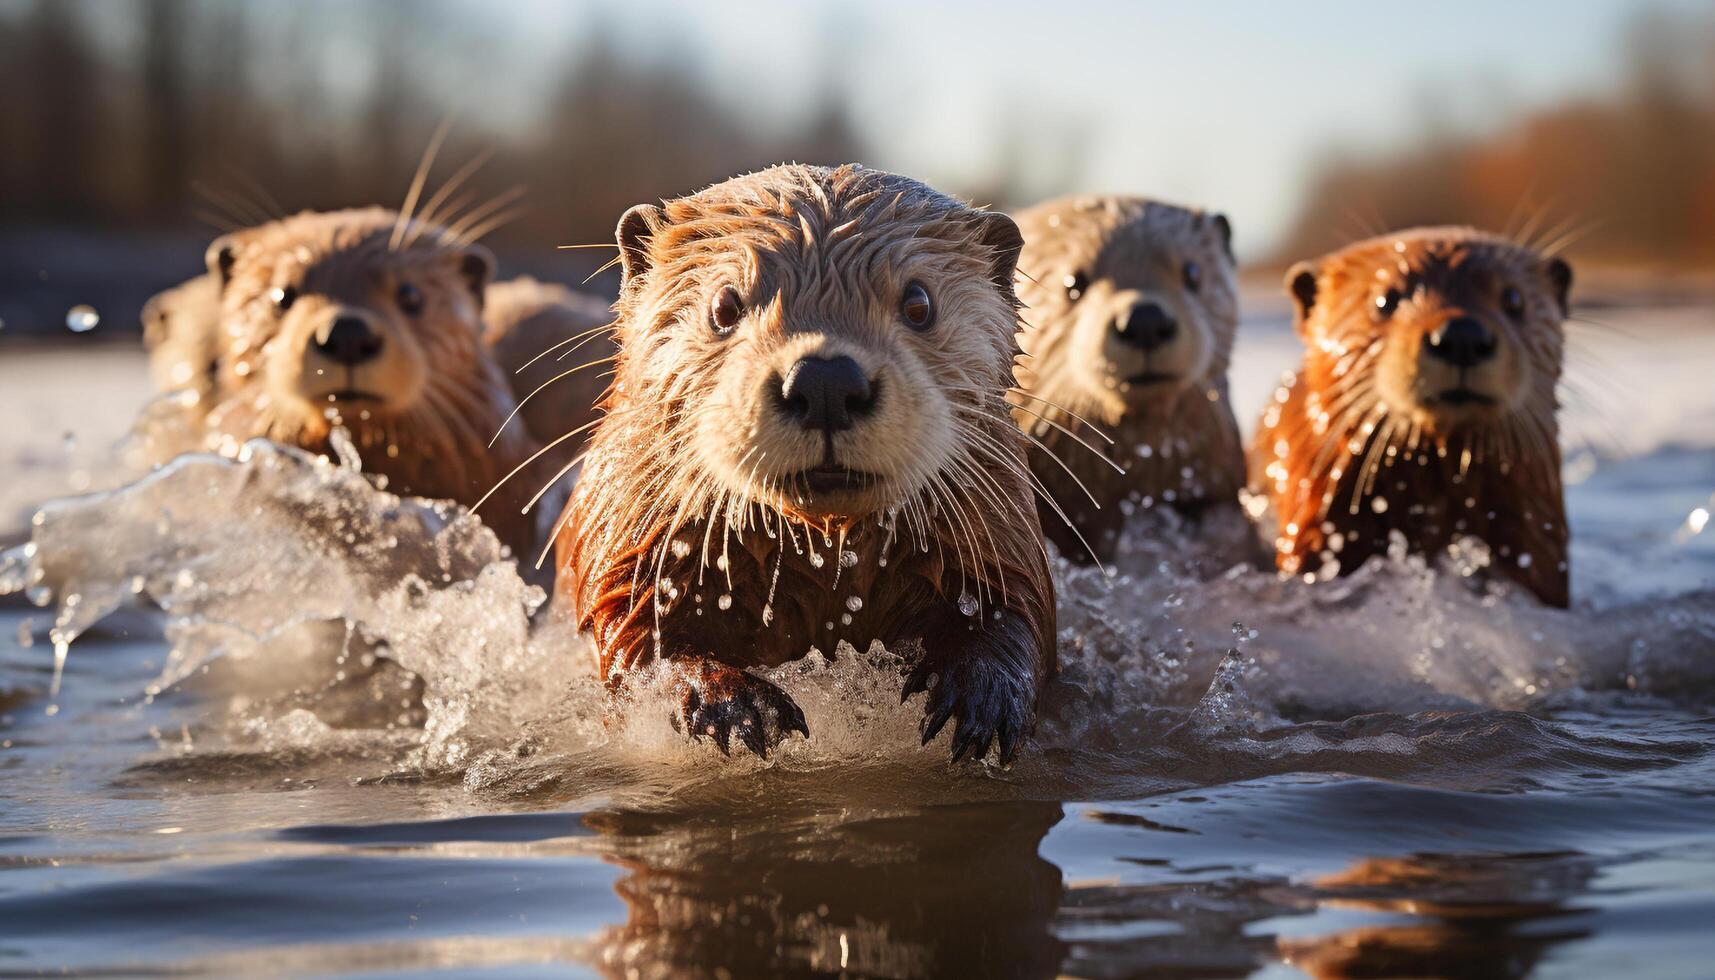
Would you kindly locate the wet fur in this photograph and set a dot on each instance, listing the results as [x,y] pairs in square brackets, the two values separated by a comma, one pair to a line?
[1345,462]
[444,397]
[1129,249]
[671,513]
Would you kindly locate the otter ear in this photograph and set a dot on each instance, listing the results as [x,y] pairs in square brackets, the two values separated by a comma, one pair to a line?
[1224,230]
[1560,277]
[476,265]
[1000,233]
[1301,283]
[636,227]
[222,252]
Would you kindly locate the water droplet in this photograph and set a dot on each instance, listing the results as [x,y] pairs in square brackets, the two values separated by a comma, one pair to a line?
[725,601]
[1379,505]
[82,318]
[848,559]
[968,604]
[854,603]
[816,559]
[681,549]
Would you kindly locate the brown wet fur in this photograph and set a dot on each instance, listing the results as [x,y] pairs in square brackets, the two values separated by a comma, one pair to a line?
[1090,260]
[692,498]
[181,331]
[552,346]
[429,402]
[1361,442]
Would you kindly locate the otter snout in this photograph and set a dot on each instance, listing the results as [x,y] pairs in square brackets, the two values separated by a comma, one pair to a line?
[826,394]
[1146,326]
[1464,342]
[350,341]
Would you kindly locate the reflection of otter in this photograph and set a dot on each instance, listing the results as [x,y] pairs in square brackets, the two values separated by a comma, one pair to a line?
[1471,906]
[807,442]
[947,891]
[1425,405]
[1132,306]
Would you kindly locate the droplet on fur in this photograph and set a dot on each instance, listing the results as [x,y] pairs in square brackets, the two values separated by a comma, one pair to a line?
[968,604]
[1379,505]
[681,549]
[848,559]
[725,601]
[854,603]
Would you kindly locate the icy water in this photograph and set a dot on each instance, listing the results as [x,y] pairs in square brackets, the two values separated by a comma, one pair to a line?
[1399,774]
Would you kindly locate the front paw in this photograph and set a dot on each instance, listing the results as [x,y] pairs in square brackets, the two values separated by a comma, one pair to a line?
[990,699]
[718,702]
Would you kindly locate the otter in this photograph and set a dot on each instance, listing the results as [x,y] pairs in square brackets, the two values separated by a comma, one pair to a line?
[808,442]
[1131,307]
[552,344]
[356,319]
[1425,406]
[181,332]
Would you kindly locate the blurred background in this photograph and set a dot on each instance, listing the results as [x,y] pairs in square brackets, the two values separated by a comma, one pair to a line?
[132,133]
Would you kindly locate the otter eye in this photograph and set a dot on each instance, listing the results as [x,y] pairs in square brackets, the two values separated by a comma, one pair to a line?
[725,310]
[916,307]
[282,297]
[1193,276]
[1075,285]
[1386,303]
[1512,302]
[409,298]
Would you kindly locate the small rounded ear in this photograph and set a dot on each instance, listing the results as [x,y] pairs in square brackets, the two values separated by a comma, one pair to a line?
[1224,230]
[1560,277]
[476,265]
[1000,233]
[636,227]
[222,252]
[1301,283]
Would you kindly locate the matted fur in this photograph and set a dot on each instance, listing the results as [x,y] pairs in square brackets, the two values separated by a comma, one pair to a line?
[436,397]
[1088,260]
[689,537]
[1354,445]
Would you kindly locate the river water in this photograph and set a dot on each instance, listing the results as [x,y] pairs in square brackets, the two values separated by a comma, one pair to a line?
[1401,773]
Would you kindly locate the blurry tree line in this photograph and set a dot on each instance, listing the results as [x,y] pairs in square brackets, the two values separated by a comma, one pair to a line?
[1629,177]
[148,114]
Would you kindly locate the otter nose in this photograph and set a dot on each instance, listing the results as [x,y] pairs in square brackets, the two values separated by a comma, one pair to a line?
[1146,326]
[350,341]
[826,393]
[1462,342]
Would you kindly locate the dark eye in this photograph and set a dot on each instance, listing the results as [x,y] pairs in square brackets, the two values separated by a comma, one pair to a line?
[916,307]
[1386,303]
[1512,302]
[409,298]
[283,297]
[725,310]
[1075,285]
[1193,275]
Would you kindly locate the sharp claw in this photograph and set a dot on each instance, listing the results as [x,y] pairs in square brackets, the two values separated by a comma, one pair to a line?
[792,719]
[918,681]
[1008,741]
[964,740]
[933,723]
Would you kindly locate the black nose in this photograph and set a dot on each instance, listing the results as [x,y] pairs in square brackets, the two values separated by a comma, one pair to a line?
[1463,342]
[826,393]
[350,341]
[1146,326]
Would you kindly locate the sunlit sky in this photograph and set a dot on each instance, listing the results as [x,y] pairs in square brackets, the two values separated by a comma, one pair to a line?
[1225,105]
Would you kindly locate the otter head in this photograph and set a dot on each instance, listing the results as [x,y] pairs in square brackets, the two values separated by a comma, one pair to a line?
[824,342]
[338,315]
[1131,302]
[1447,328]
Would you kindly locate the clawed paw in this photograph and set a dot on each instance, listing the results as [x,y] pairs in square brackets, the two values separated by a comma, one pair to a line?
[990,704]
[721,703]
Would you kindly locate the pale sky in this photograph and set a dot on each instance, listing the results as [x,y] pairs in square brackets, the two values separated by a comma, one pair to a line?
[1223,105]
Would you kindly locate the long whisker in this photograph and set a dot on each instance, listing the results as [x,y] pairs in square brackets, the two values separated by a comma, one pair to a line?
[417,181]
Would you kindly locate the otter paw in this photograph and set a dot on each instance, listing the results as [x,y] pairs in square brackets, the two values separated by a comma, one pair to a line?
[719,702]
[991,703]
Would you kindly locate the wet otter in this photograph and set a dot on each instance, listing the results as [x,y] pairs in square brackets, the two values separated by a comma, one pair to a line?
[552,345]
[354,318]
[1425,406]
[807,442]
[1132,305]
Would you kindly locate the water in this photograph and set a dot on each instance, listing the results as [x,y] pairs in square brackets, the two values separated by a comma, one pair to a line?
[1400,773]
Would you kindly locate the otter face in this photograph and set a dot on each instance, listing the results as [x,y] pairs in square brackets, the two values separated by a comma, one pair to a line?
[823,343]
[1132,302]
[1448,328]
[321,314]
